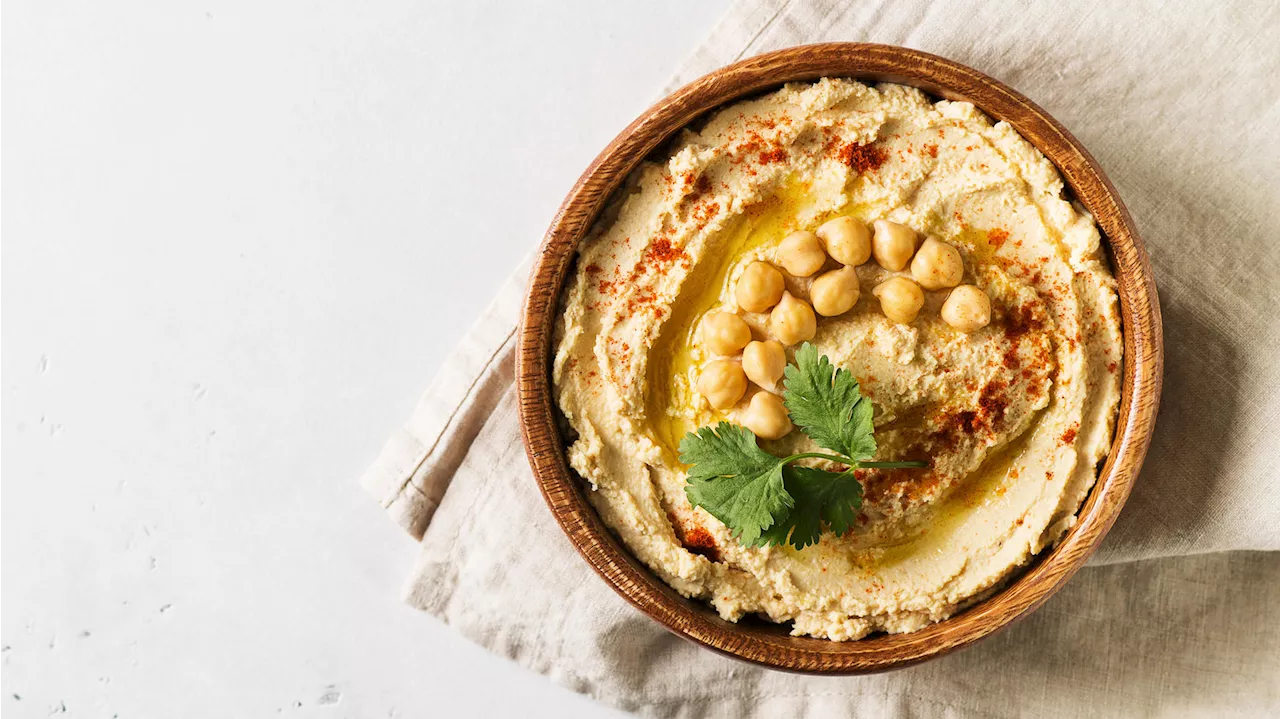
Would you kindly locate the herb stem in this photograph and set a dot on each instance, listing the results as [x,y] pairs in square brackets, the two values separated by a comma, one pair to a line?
[840,459]
[905,464]
[819,455]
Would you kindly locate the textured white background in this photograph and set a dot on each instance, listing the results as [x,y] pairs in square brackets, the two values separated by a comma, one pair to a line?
[222,222]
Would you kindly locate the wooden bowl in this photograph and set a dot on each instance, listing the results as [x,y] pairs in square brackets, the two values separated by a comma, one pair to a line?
[762,642]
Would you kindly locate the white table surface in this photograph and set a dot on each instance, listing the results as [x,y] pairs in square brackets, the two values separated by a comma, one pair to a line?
[238,239]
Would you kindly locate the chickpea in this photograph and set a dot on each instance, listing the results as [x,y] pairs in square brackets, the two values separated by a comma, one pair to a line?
[764,362]
[937,265]
[900,299]
[725,333]
[848,240]
[722,383]
[893,245]
[766,415]
[801,254]
[793,321]
[967,308]
[759,287]
[835,292]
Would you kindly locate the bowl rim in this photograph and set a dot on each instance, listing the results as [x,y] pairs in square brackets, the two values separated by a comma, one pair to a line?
[768,644]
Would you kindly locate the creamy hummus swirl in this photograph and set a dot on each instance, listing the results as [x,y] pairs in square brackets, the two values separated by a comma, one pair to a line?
[1015,417]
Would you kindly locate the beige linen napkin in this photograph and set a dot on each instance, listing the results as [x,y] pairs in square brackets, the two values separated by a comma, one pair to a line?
[1179,104]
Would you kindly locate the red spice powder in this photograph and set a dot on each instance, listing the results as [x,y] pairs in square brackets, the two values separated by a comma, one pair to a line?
[619,350]
[932,150]
[1023,320]
[1069,436]
[700,541]
[661,250]
[1010,358]
[704,212]
[775,155]
[992,402]
[998,236]
[755,143]
[643,297]
[862,158]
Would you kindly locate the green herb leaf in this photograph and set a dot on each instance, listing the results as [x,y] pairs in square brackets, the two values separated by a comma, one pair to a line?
[766,500]
[822,497]
[734,480]
[827,404]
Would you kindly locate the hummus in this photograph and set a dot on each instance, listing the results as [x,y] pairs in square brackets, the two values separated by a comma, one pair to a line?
[1014,417]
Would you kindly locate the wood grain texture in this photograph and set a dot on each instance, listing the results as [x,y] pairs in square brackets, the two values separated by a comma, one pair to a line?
[762,642]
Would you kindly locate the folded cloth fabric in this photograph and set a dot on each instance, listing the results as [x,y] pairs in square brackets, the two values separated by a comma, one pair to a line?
[1177,103]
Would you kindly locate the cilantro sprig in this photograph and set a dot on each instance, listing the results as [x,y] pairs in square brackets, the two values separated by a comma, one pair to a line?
[764,499]
[733,479]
